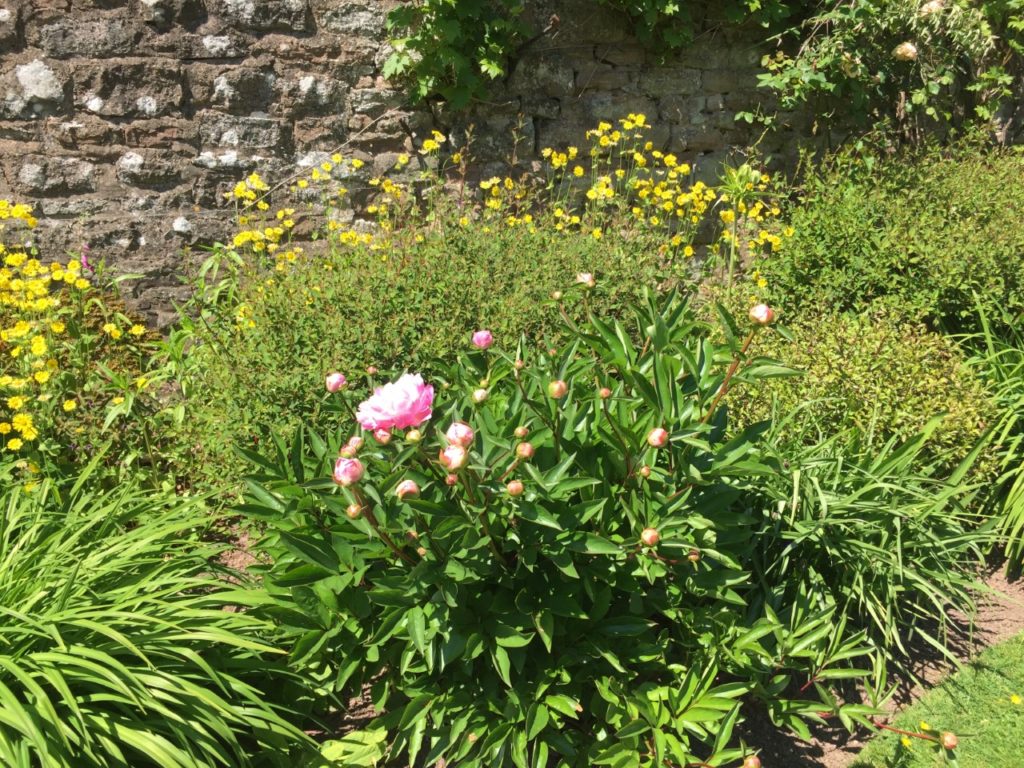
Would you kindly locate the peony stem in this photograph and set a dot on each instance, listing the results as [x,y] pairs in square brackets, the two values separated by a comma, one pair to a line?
[372,520]
[728,377]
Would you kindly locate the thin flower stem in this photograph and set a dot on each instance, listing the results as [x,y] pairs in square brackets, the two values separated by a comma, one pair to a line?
[728,377]
[922,736]
[372,520]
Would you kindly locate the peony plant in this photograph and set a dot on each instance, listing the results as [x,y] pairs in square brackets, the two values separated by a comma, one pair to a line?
[560,572]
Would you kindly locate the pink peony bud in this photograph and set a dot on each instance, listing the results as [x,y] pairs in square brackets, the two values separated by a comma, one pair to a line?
[479,395]
[524,450]
[460,433]
[354,511]
[934,6]
[752,761]
[407,488]
[348,471]
[693,556]
[657,438]
[453,457]
[605,393]
[515,488]
[645,471]
[346,452]
[382,436]
[451,480]
[355,443]
[557,389]
[556,295]
[905,52]
[521,432]
[413,436]
[949,740]
[586,279]
[483,339]
[371,370]
[762,314]
[335,381]
[421,551]
[519,365]
[650,537]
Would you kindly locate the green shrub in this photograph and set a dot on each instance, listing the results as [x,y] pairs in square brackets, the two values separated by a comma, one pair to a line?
[120,646]
[594,601]
[920,232]
[881,375]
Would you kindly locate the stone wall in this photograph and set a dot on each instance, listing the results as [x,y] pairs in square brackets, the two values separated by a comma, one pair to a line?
[124,121]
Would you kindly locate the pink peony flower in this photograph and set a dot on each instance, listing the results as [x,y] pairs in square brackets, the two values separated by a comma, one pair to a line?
[762,314]
[657,438]
[398,405]
[483,339]
[407,488]
[453,458]
[460,433]
[348,471]
[335,381]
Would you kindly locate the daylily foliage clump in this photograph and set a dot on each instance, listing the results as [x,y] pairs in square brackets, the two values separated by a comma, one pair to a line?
[562,572]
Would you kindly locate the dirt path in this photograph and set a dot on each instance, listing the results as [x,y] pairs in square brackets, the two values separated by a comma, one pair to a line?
[1000,617]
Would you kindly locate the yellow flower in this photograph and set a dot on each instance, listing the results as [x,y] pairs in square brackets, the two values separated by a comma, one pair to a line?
[41,376]
[57,327]
[906,742]
[141,382]
[5,427]
[69,405]
[357,163]
[1016,700]
[14,444]
[117,400]
[112,330]
[81,284]
[16,402]
[596,234]
[137,330]
[577,171]
[924,726]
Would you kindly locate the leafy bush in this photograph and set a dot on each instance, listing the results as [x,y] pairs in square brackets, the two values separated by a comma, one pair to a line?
[76,369]
[921,233]
[571,581]
[120,646]
[881,375]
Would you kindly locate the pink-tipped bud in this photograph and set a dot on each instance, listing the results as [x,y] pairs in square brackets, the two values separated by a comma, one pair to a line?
[521,432]
[453,458]
[752,761]
[413,436]
[335,381]
[693,556]
[354,511]
[451,480]
[460,433]
[348,471]
[411,536]
[371,370]
[557,389]
[355,443]
[762,314]
[645,471]
[421,551]
[382,436]
[407,488]
[515,488]
[519,364]
[346,452]
[525,450]
[650,537]
[483,339]
[657,438]
[949,740]
[556,295]
[586,279]
[479,395]
[604,392]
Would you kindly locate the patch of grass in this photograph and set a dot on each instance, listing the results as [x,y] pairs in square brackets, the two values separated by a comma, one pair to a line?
[977,704]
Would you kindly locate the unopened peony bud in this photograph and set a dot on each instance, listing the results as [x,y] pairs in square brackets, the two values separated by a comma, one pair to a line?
[949,740]
[519,365]
[421,551]
[605,393]
[657,438]
[382,436]
[586,280]
[371,369]
[471,738]
[483,339]
[556,295]
[905,52]
[348,471]
[460,433]
[479,395]
[407,488]
[451,480]
[524,450]
[935,6]
[650,537]
[521,432]
[752,761]
[453,457]
[557,389]
[413,436]
[645,471]
[762,314]
[411,536]
[355,442]
[693,556]
[552,351]
[346,452]
[354,511]
[515,488]
[335,381]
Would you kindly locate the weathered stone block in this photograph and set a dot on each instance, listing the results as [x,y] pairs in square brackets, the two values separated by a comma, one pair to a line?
[359,19]
[727,80]
[197,46]
[671,81]
[10,26]
[303,94]
[162,14]
[598,76]
[34,88]
[129,87]
[44,175]
[264,15]
[220,130]
[178,134]
[72,37]
[149,167]
[547,75]
[239,89]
